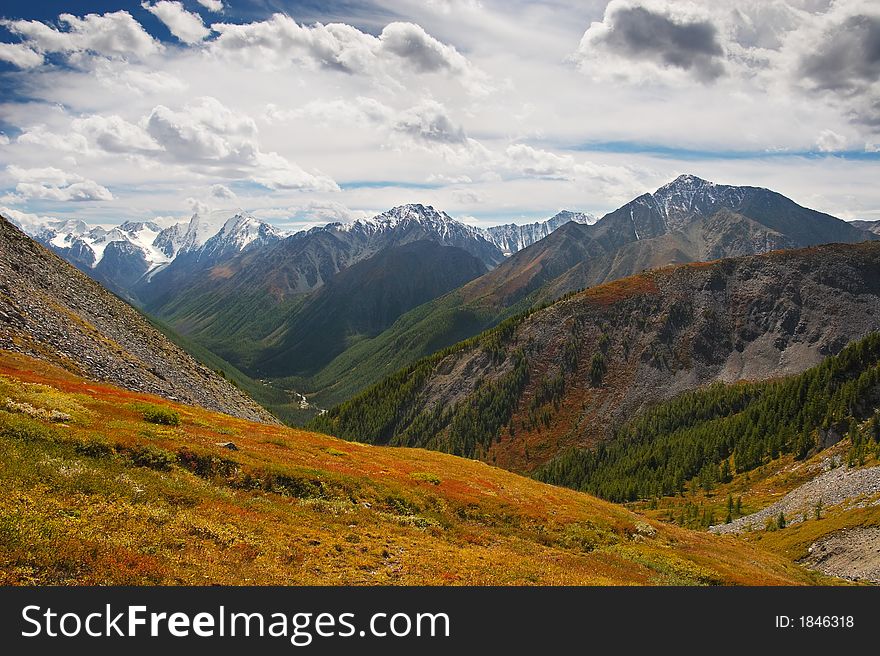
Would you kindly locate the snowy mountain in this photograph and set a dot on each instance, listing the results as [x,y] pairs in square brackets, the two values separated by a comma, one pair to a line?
[511,237]
[120,257]
[413,222]
[240,231]
[86,246]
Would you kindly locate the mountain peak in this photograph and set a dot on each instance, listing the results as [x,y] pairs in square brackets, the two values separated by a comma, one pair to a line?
[413,212]
[684,183]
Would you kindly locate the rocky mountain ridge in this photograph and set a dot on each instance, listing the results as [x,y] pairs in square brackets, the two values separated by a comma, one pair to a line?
[52,311]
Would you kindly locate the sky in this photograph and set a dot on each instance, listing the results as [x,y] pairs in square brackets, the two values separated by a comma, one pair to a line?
[493,111]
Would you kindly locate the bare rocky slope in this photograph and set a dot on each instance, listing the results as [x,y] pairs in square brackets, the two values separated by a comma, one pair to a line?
[51,310]
[837,486]
[566,375]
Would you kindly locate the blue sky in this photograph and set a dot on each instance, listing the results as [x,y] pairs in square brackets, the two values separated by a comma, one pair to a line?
[306,112]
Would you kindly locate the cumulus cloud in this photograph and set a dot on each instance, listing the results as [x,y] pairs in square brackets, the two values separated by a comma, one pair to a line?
[206,132]
[829,141]
[114,34]
[114,134]
[40,135]
[222,192]
[51,183]
[20,55]
[280,41]
[533,161]
[429,121]
[668,37]
[318,212]
[30,223]
[524,160]
[183,24]
[212,5]
[420,50]
[426,121]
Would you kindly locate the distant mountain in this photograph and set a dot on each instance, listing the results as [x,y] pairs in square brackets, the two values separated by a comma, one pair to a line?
[511,237]
[362,301]
[51,311]
[117,258]
[568,374]
[687,220]
[243,305]
[130,254]
[870,226]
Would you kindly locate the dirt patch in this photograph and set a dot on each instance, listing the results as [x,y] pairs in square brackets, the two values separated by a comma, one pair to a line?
[852,554]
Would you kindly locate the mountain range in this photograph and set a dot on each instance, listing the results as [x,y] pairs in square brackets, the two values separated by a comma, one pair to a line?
[700,343]
[566,375]
[687,220]
[330,310]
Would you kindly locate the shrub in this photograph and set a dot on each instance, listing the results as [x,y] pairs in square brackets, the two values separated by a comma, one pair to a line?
[93,448]
[152,457]
[206,465]
[433,479]
[156,414]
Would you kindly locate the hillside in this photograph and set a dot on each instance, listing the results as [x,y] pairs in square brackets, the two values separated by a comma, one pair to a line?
[363,300]
[705,436]
[162,498]
[791,465]
[52,311]
[244,307]
[566,375]
[687,220]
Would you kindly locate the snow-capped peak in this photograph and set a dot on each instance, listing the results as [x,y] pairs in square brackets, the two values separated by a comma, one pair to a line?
[511,237]
[689,196]
[390,219]
[240,230]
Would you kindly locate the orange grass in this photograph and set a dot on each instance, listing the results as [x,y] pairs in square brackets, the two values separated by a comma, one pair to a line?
[293,507]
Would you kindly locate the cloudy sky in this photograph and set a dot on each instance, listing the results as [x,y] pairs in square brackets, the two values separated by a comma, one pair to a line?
[305,111]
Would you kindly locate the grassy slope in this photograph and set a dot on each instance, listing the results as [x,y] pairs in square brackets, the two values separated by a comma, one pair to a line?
[105,498]
[274,399]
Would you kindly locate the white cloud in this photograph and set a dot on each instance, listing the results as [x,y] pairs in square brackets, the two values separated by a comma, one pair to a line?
[280,41]
[114,134]
[533,161]
[20,55]
[222,192]
[114,34]
[829,141]
[471,106]
[30,223]
[206,132]
[124,76]
[316,212]
[185,25]
[52,183]
[49,175]
[41,136]
[212,5]
[275,172]
[426,121]
[75,192]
